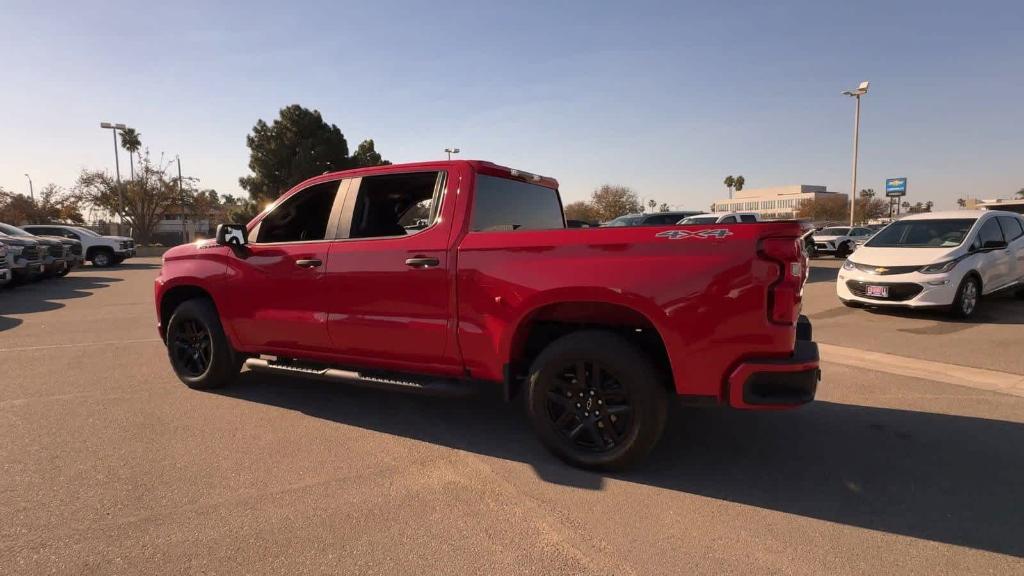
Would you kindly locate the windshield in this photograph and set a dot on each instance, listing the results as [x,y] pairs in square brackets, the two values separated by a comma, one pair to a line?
[86,231]
[923,234]
[699,220]
[834,232]
[11,230]
[623,221]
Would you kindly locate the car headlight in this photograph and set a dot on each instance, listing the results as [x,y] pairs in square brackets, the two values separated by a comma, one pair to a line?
[941,267]
[848,265]
[16,250]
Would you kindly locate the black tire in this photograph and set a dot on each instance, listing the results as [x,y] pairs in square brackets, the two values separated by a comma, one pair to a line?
[965,305]
[118,260]
[628,388]
[843,250]
[199,352]
[102,258]
[64,272]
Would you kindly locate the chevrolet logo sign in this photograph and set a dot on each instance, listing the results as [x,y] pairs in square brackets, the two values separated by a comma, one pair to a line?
[881,270]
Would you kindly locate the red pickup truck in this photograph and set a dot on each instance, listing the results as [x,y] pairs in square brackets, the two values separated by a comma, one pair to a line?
[448,276]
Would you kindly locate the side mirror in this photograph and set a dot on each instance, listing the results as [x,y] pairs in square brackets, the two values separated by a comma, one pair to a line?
[994,244]
[232,235]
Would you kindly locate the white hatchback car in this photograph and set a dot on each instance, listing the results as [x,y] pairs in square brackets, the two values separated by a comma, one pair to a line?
[937,259]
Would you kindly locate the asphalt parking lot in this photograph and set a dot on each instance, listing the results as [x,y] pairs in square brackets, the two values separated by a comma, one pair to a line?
[111,466]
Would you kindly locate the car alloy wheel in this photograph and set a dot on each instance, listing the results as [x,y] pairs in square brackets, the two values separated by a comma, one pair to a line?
[969,299]
[101,259]
[192,348]
[589,407]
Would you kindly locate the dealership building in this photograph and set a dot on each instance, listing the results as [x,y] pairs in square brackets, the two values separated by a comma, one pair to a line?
[779,202]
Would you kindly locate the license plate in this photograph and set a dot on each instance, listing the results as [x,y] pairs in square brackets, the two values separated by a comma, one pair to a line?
[879,291]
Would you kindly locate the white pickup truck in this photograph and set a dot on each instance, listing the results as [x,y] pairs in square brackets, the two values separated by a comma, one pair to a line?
[723,218]
[102,251]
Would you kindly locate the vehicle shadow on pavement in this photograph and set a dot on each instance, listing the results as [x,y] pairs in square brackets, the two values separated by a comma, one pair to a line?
[45,295]
[950,479]
[135,266]
[821,274]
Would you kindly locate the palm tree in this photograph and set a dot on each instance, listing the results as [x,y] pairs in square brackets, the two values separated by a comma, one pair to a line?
[130,141]
[961,202]
[738,183]
[1020,193]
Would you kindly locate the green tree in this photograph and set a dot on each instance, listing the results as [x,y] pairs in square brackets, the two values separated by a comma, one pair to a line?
[131,141]
[734,183]
[664,207]
[614,201]
[146,199]
[961,202]
[1020,193]
[236,210]
[738,183]
[824,209]
[367,155]
[582,210]
[652,204]
[52,204]
[867,193]
[296,146]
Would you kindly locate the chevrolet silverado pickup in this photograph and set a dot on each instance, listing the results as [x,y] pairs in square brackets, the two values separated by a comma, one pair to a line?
[442,277]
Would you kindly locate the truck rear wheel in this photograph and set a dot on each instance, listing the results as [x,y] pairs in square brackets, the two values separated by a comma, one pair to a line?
[596,401]
[198,349]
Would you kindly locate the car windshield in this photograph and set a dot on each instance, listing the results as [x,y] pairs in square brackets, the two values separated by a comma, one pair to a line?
[699,220]
[86,231]
[923,234]
[12,231]
[623,221]
[835,232]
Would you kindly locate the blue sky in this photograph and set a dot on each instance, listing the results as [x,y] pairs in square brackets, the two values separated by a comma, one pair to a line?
[666,97]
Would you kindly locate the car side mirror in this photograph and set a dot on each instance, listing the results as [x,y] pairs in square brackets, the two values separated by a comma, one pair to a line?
[994,244]
[235,235]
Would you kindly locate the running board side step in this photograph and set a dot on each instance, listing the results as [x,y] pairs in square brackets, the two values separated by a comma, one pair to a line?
[433,386]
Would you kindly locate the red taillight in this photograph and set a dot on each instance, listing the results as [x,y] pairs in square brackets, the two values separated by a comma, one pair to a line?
[784,295]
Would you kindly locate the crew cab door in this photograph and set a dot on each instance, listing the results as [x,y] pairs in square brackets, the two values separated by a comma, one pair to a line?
[275,299]
[389,287]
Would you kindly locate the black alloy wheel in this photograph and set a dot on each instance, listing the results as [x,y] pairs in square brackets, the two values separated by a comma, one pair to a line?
[191,347]
[589,407]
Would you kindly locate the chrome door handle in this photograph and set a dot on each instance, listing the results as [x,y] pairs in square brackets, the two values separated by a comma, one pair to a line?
[313,263]
[422,262]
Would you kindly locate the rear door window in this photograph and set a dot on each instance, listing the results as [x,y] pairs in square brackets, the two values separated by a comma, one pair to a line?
[748,218]
[1011,227]
[502,204]
[990,232]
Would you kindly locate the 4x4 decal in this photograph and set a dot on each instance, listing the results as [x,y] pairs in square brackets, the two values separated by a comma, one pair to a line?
[709,233]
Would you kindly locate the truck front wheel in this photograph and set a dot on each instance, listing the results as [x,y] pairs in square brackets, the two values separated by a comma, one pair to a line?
[198,349]
[596,401]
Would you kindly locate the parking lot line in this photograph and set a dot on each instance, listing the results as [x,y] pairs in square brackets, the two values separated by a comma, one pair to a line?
[979,378]
[80,344]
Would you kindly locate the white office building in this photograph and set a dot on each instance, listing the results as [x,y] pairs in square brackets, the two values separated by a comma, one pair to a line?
[775,203]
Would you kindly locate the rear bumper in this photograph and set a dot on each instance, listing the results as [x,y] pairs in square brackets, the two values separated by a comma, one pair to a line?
[778,383]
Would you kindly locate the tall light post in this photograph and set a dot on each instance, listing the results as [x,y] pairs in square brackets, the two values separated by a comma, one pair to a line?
[117,170]
[860,91]
[451,151]
[184,210]
[31,192]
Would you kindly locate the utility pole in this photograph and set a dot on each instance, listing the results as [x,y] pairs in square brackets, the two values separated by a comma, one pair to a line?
[860,91]
[117,171]
[184,210]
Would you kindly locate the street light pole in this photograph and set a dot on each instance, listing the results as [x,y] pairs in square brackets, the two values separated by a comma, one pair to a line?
[860,91]
[451,151]
[117,170]
[31,192]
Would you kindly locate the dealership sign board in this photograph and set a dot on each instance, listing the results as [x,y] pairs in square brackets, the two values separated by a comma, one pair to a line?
[895,187]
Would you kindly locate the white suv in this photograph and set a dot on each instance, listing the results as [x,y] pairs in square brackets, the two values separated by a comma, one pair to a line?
[938,259]
[102,251]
